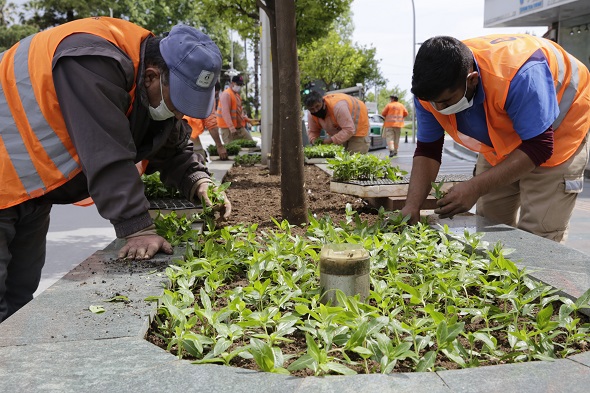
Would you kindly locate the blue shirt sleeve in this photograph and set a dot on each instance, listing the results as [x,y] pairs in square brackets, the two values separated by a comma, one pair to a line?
[429,129]
[531,103]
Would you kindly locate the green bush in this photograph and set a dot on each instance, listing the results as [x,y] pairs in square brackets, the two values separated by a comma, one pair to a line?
[247,159]
[358,166]
[245,143]
[232,149]
[322,151]
[154,188]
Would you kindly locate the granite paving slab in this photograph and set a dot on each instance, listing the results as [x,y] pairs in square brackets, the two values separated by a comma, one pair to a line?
[123,365]
[561,375]
[61,313]
[397,382]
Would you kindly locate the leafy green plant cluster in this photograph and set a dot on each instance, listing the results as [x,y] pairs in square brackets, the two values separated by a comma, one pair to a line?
[231,148]
[437,190]
[154,188]
[247,159]
[176,229]
[245,143]
[216,196]
[434,299]
[358,166]
[322,151]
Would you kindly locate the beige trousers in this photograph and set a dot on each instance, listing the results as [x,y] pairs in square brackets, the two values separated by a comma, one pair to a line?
[542,201]
[358,144]
[392,135]
[240,133]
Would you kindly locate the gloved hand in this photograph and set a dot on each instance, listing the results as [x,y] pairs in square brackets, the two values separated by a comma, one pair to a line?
[144,244]
[199,192]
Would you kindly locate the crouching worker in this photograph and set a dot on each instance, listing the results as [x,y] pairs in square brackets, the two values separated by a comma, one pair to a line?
[94,97]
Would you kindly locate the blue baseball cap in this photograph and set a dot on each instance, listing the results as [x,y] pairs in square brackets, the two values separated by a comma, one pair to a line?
[194,62]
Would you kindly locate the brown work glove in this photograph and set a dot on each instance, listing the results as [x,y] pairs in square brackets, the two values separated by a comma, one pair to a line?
[144,244]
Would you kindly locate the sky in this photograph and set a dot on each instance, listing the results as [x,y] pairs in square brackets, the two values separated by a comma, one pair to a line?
[387,26]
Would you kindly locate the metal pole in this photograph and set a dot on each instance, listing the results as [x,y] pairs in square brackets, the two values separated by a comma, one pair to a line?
[413,59]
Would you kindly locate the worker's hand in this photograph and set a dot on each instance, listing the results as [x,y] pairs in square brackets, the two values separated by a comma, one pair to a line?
[459,199]
[233,130]
[328,140]
[222,152]
[224,208]
[413,213]
[144,245]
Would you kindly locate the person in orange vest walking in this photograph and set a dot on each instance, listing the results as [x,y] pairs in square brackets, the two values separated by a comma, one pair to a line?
[199,126]
[230,115]
[95,97]
[394,114]
[344,118]
[522,103]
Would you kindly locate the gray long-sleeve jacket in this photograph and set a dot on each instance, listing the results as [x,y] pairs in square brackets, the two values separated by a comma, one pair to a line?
[93,79]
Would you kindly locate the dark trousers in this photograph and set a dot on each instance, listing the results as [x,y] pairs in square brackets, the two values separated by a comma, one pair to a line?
[23,232]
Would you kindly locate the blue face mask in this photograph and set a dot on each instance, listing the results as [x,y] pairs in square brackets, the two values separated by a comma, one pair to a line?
[161,112]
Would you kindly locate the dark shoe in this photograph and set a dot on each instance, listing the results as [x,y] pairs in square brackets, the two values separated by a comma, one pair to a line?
[393,153]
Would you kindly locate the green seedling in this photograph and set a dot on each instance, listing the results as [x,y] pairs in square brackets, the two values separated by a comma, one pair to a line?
[247,159]
[437,191]
[240,293]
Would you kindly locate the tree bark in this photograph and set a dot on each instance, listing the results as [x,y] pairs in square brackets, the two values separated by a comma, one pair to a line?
[293,201]
[275,150]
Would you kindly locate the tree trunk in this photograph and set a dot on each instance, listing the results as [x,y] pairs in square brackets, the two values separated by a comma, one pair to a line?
[293,201]
[274,167]
[256,45]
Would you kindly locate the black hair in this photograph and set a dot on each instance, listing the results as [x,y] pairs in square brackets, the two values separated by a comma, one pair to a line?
[442,63]
[312,98]
[153,57]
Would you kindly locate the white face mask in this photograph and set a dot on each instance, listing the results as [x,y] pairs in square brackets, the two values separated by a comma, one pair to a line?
[461,105]
[161,112]
[237,88]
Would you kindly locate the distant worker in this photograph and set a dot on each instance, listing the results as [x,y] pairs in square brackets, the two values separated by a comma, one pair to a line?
[394,114]
[521,102]
[230,114]
[198,126]
[344,118]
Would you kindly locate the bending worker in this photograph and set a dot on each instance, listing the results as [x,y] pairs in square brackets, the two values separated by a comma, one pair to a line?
[522,103]
[94,97]
[230,114]
[344,118]
[394,114]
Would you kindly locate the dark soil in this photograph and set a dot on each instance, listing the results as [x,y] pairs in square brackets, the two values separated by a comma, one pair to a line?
[255,196]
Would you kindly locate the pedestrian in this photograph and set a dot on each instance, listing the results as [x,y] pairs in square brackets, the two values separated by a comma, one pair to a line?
[92,98]
[394,114]
[230,114]
[344,118]
[198,126]
[521,102]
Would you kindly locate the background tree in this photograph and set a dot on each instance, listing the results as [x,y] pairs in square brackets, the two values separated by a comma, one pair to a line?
[339,63]
[293,201]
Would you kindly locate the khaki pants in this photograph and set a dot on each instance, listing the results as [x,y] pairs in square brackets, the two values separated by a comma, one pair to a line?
[198,148]
[240,133]
[392,135]
[358,144]
[545,197]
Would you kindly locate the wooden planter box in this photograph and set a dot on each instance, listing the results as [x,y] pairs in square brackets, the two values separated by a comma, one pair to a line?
[389,194]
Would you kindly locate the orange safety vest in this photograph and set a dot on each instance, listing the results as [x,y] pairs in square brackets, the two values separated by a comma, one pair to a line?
[358,111]
[499,57]
[36,153]
[236,106]
[394,113]
[196,125]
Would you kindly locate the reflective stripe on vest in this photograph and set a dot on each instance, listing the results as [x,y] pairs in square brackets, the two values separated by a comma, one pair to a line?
[36,153]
